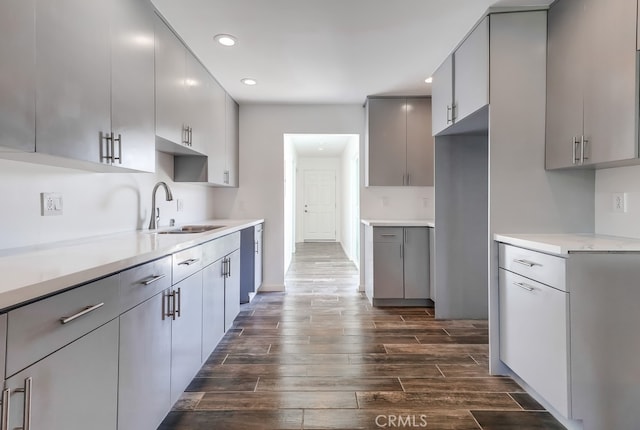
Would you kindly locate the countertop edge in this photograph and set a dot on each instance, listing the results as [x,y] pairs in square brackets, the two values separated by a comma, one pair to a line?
[398,223]
[22,294]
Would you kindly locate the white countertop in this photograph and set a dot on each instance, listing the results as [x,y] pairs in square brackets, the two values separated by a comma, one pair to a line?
[398,222]
[29,273]
[563,244]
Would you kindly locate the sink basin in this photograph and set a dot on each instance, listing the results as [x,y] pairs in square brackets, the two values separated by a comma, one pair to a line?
[185,229]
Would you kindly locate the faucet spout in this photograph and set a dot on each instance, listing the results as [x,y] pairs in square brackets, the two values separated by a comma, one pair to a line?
[155,212]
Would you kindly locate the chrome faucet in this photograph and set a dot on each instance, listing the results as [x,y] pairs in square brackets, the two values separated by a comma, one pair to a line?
[155,212]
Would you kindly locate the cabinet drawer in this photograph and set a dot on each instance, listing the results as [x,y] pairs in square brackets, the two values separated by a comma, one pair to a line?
[544,268]
[186,263]
[388,234]
[143,282]
[534,336]
[215,249]
[36,330]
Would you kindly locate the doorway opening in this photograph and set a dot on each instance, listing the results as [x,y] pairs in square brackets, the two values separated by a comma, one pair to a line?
[322,192]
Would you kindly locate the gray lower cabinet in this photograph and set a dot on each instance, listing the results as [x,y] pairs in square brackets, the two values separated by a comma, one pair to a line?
[186,333]
[251,257]
[74,388]
[213,326]
[400,265]
[17,75]
[144,396]
[232,289]
[259,238]
[144,390]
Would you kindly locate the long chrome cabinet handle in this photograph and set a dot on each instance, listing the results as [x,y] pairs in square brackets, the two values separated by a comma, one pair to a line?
[189,262]
[176,309]
[28,384]
[113,141]
[527,263]
[449,117]
[256,246]
[583,143]
[574,150]
[152,279]
[4,423]
[388,235]
[523,286]
[66,320]
[229,270]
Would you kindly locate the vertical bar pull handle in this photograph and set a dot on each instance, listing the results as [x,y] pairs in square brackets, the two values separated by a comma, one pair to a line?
[229,262]
[28,383]
[449,114]
[583,144]
[119,140]
[178,308]
[4,423]
[574,150]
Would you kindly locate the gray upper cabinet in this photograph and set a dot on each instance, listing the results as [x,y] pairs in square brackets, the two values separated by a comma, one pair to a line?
[471,72]
[461,83]
[17,75]
[73,78]
[217,145]
[442,96]
[132,85]
[592,84]
[170,85]
[399,142]
[232,136]
[200,104]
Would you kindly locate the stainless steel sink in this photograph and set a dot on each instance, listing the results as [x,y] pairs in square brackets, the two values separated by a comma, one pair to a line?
[186,229]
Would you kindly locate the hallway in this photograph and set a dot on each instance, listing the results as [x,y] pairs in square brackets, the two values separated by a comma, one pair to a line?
[321,357]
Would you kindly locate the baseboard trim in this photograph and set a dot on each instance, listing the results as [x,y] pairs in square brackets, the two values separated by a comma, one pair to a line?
[271,288]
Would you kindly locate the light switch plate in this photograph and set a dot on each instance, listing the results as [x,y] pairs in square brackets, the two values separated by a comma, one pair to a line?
[51,204]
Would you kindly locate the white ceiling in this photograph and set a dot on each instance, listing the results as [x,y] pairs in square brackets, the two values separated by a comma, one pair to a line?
[325,51]
[320,145]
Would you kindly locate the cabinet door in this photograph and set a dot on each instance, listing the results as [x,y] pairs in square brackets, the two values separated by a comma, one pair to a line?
[213,326]
[534,344]
[170,84]
[258,258]
[145,365]
[217,146]
[388,278]
[200,102]
[564,83]
[232,141]
[17,75]
[471,72]
[416,263]
[419,143]
[232,290]
[610,88]
[73,79]
[387,145]
[442,96]
[132,84]
[74,386]
[186,334]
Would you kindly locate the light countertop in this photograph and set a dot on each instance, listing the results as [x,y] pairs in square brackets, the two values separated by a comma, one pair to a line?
[32,272]
[563,244]
[399,223]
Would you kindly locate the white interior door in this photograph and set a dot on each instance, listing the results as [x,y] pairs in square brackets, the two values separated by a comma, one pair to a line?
[319,205]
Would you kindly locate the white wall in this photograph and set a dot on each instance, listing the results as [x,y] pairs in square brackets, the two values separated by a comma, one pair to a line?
[397,202]
[618,180]
[290,186]
[351,201]
[94,203]
[317,163]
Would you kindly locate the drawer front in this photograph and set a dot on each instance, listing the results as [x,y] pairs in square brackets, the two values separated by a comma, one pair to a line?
[186,263]
[540,267]
[534,339]
[215,249]
[36,330]
[388,234]
[143,282]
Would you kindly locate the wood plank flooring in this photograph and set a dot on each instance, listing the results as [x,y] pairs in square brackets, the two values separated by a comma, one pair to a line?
[321,357]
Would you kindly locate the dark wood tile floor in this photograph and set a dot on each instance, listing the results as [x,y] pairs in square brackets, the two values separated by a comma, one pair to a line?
[321,357]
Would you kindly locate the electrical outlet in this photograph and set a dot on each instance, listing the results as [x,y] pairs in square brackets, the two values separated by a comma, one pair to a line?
[619,202]
[385,201]
[179,205]
[51,204]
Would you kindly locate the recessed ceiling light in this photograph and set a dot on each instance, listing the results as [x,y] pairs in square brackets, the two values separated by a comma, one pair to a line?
[249,81]
[320,149]
[225,39]
[429,80]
